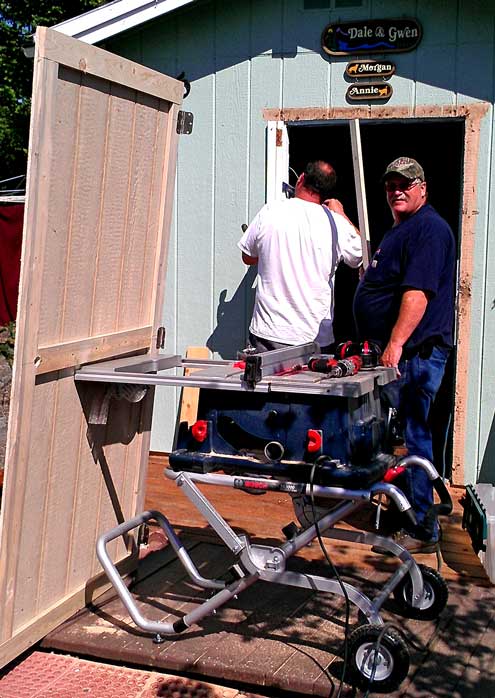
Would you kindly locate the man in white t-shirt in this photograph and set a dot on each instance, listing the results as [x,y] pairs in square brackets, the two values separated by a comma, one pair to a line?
[297,251]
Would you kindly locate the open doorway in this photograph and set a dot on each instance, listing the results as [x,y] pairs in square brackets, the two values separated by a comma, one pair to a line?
[438,144]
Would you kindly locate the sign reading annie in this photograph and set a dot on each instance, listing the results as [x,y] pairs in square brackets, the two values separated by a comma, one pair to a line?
[371,36]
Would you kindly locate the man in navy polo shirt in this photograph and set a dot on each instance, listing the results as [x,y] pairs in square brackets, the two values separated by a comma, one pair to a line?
[405,302]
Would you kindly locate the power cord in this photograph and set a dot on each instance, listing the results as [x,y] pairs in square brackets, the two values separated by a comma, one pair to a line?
[336,574]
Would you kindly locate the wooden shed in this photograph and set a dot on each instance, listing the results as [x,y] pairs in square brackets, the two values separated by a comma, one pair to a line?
[101,201]
[267,97]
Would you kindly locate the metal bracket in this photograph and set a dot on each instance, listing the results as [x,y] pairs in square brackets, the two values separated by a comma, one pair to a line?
[259,366]
[184,122]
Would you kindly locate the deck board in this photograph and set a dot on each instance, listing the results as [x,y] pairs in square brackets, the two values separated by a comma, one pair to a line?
[287,639]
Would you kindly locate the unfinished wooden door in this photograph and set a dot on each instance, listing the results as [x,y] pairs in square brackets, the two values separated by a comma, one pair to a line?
[99,196]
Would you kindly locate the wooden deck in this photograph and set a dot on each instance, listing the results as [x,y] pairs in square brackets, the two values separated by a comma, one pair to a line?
[282,639]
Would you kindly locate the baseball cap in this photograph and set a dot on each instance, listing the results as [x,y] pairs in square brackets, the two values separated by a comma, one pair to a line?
[407,167]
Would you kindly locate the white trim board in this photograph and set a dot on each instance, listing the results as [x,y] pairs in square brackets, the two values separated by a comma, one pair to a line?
[277,160]
[115,17]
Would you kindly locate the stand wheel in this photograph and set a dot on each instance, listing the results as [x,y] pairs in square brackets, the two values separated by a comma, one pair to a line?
[435,596]
[378,658]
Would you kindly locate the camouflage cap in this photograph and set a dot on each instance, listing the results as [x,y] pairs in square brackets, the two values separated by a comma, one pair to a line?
[406,167]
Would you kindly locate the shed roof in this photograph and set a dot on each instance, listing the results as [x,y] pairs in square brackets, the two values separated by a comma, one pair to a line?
[115,17]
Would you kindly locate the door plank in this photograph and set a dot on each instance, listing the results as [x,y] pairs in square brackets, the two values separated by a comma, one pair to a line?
[101,172]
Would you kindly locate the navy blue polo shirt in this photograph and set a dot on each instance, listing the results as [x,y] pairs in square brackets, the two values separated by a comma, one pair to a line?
[419,253]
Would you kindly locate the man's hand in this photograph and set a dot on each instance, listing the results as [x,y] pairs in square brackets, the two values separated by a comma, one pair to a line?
[391,355]
[249,260]
[335,205]
[412,308]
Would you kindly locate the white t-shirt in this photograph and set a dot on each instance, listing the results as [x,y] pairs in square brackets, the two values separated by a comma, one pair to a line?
[297,259]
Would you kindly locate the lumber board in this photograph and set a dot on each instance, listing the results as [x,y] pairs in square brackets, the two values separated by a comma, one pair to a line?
[357,159]
[17,447]
[69,354]
[101,163]
[87,58]
[188,408]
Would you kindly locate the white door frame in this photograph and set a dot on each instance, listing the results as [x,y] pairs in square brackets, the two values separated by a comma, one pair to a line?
[277,160]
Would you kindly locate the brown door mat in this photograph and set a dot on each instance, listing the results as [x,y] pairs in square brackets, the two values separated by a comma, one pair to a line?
[48,675]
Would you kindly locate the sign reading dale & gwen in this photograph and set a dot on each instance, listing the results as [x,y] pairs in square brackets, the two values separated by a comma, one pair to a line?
[371,36]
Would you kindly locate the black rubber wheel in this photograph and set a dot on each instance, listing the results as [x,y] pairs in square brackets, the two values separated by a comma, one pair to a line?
[378,658]
[435,597]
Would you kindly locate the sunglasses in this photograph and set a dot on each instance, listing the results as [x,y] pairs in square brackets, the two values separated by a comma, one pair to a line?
[401,186]
[288,189]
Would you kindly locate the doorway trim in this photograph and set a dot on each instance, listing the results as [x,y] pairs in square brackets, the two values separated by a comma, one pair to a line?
[472,115]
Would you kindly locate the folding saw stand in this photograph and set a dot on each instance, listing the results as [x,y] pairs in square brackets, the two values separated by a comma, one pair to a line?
[268,399]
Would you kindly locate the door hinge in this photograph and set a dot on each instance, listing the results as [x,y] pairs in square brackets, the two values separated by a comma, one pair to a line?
[160,338]
[184,122]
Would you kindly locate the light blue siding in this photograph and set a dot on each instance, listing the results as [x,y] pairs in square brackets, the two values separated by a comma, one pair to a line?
[436,74]
[230,193]
[476,384]
[244,57]
[313,73]
[487,397]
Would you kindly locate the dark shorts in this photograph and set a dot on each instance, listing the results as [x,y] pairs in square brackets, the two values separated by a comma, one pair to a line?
[261,344]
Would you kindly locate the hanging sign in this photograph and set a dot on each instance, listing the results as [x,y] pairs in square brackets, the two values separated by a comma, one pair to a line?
[371,36]
[370,69]
[364,91]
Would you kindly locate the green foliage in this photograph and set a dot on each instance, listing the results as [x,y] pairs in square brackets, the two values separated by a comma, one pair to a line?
[18,22]
[7,341]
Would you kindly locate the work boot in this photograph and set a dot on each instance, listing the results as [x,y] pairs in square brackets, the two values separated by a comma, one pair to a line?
[410,543]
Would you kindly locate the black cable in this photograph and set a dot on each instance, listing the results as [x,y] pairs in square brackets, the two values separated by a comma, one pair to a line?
[377,645]
[336,574]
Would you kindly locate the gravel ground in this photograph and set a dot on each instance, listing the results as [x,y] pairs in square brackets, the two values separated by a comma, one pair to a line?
[5,381]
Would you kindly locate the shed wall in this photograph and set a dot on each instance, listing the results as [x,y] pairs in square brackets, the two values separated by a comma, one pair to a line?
[267,54]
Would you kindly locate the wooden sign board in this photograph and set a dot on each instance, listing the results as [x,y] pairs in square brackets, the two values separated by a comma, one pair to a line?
[371,36]
[370,69]
[100,181]
[365,91]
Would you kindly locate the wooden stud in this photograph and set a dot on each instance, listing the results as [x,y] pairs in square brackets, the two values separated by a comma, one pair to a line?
[91,59]
[188,410]
[69,354]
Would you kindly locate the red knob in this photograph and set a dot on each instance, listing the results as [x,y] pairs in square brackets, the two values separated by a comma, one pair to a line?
[199,430]
[314,440]
[394,472]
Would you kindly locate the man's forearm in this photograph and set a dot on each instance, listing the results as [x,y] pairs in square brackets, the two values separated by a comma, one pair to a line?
[412,309]
[336,206]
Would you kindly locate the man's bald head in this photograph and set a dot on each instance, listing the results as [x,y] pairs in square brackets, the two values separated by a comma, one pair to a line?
[320,178]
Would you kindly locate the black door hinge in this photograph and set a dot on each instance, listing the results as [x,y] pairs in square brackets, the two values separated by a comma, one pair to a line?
[184,122]
[160,338]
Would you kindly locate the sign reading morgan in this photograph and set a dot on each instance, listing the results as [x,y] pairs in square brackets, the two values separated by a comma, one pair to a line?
[368,69]
[371,36]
